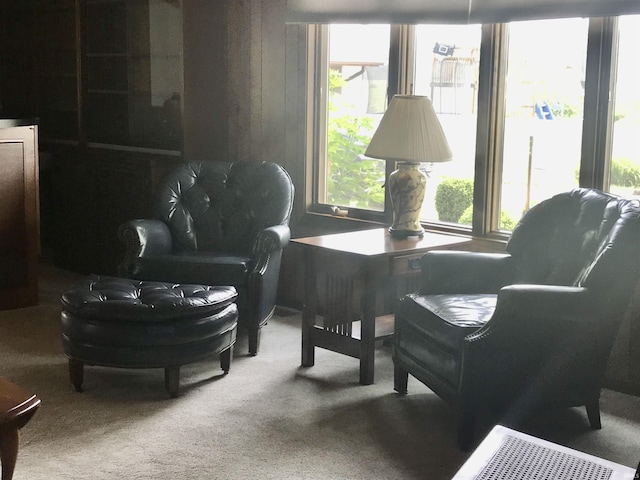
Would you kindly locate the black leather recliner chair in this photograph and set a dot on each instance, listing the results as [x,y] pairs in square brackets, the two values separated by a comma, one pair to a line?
[507,333]
[217,223]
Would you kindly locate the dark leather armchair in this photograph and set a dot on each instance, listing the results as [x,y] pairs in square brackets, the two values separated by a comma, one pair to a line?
[506,333]
[217,223]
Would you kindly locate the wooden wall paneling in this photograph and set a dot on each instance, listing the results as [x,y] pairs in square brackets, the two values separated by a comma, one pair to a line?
[56,74]
[17,79]
[295,118]
[247,102]
[244,79]
[274,81]
[206,95]
[290,288]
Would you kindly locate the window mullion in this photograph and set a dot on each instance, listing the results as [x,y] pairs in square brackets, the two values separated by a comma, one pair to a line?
[598,103]
[490,129]
[406,59]
[399,82]
[318,74]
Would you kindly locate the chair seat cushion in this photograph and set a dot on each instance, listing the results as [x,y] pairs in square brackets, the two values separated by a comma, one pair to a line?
[446,319]
[430,330]
[192,267]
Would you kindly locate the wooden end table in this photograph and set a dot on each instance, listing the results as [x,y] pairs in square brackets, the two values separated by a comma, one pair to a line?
[344,273]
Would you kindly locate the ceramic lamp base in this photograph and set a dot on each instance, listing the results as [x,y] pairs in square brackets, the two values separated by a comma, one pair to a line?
[407,186]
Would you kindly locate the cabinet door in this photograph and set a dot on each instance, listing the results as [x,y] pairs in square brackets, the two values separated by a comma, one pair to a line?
[19,225]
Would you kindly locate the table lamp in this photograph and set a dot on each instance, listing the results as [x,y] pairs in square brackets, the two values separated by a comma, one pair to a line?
[409,134]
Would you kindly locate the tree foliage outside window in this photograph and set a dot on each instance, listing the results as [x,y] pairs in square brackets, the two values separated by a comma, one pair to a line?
[625,172]
[453,196]
[353,180]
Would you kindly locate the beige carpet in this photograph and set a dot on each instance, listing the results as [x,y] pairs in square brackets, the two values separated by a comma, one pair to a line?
[268,419]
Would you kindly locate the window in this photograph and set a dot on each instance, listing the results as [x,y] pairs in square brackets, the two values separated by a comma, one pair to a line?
[445,65]
[446,70]
[356,82]
[511,99]
[542,138]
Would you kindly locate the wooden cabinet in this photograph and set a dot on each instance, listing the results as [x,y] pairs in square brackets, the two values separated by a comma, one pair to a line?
[19,215]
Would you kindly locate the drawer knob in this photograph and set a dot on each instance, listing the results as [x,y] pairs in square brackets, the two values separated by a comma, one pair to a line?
[415,263]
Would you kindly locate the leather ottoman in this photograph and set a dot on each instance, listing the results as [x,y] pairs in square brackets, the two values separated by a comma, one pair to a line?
[118,322]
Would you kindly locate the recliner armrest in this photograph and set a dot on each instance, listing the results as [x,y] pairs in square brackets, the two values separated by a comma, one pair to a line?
[545,310]
[534,301]
[452,271]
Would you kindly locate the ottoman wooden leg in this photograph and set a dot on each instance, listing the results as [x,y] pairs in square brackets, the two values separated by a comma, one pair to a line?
[225,359]
[172,380]
[76,374]
[8,451]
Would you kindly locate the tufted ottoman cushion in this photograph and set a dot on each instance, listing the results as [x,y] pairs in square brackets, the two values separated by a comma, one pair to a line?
[119,322]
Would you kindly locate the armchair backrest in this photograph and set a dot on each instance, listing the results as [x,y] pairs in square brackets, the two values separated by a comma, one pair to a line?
[222,206]
[584,237]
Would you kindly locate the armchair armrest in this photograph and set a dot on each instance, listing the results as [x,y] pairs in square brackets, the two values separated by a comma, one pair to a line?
[540,338]
[270,240]
[525,309]
[545,301]
[143,237]
[451,271]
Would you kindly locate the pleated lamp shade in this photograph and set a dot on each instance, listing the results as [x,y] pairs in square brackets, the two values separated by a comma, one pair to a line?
[410,132]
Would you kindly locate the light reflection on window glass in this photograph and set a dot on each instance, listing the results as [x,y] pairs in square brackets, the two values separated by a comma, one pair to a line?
[625,154]
[543,117]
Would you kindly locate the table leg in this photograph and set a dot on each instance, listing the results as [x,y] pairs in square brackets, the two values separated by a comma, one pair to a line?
[309,312]
[308,347]
[368,332]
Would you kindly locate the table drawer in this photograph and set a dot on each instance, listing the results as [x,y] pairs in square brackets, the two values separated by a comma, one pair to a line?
[406,265]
